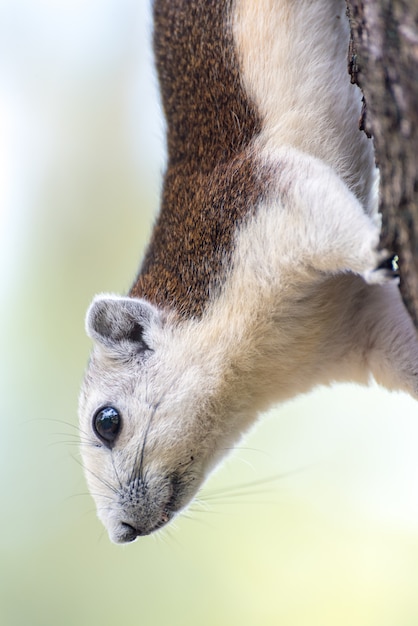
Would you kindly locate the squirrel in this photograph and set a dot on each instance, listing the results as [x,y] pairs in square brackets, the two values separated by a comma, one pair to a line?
[263,277]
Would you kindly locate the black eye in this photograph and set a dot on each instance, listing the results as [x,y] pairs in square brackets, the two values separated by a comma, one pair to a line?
[106,424]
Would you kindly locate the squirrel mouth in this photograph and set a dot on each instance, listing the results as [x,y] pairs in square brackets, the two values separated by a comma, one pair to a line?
[145,517]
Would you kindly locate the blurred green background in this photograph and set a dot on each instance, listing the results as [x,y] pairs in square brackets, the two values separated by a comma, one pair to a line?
[312,522]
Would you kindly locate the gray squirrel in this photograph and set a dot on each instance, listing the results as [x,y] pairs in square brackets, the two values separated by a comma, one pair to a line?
[263,276]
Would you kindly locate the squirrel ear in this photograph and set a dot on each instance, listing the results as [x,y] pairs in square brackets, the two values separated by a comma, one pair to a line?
[111,320]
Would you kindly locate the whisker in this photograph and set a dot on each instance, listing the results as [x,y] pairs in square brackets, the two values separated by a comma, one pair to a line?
[75,427]
[136,473]
[254,500]
[141,458]
[237,489]
[80,436]
[70,442]
[101,536]
[88,494]
[194,519]
[142,452]
[237,493]
[116,474]
[99,478]
[88,512]
[234,494]
[153,413]
[52,419]
[165,535]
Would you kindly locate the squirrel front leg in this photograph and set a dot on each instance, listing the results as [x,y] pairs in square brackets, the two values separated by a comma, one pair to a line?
[331,230]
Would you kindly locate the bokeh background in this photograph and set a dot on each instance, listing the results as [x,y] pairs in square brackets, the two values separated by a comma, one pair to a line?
[312,522]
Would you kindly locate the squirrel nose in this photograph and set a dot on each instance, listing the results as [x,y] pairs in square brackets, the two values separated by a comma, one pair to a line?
[129,533]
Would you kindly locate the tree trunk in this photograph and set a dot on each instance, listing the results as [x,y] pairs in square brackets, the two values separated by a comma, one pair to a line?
[383,61]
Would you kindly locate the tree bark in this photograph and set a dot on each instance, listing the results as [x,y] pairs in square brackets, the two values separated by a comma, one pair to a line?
[383,61]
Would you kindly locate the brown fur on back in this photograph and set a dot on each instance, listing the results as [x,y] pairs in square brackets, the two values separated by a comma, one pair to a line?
[210,184]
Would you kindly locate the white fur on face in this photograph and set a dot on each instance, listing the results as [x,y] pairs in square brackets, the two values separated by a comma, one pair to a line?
[168,396]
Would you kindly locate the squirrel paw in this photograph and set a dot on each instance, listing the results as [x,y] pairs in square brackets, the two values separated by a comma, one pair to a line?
[387,271]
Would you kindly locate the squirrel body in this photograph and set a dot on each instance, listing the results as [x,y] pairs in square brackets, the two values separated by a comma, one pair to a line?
[262,278]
